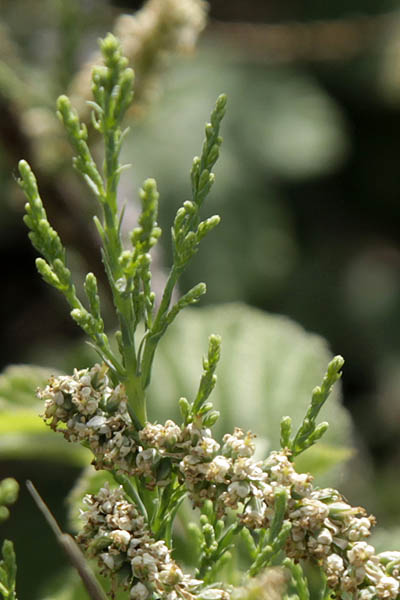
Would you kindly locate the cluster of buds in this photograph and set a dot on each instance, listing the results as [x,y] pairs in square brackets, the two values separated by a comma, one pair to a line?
[85,408]
[117,535]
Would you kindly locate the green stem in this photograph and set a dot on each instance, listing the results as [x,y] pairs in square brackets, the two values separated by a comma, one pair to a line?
[136,397]
[158,328]
[123,305]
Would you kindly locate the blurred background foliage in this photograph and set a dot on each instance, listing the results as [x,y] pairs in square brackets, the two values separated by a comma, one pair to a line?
[308,189]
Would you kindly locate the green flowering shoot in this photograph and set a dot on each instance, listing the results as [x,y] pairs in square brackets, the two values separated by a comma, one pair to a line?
[271,542]
[187,233]
[214,540]
[128,269]
[54,270]
[309,432]
[299,580]
[201,410]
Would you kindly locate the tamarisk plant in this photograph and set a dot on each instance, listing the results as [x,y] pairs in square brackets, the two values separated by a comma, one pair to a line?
[276,514]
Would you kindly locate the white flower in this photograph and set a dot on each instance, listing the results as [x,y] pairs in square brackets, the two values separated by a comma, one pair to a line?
[239,444]
[139,592]
[389,556]
[145,457]
[387,587]
[108,560]
[85,380]
[217,469]
[160,550]
[359,528]
[206,447]
[144,565]
[106,506]
[239,488]
[58,398]
[172,432]
[120,537]
[171,574]
[324,537]
[367,593]
[302,483]
[334,562]
[360,553]
[314,510]
[97,422]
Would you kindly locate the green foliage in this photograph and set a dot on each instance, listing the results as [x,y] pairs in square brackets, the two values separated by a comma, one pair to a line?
[128,271]
[298,580]
[18,384]
[271,543]
[214,540]
[8,571]
[9,489]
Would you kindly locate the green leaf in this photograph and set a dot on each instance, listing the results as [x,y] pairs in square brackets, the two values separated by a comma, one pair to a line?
[18,385]
[269,367]
[322,457]
[67,586]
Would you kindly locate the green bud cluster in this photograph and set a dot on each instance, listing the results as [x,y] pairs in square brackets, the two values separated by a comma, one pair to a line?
[188,231]
[201,411]
[309,432]
[9,489]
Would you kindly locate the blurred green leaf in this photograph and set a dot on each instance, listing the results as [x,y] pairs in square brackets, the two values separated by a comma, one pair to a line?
[23,434]
[386,539]
[320,458]
[68,586]
[18,385]
[65,586]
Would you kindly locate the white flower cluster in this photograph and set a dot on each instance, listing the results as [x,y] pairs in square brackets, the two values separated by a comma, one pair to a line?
[148,39]
[364,575]
[324,527]
[117,535]
[85,408]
